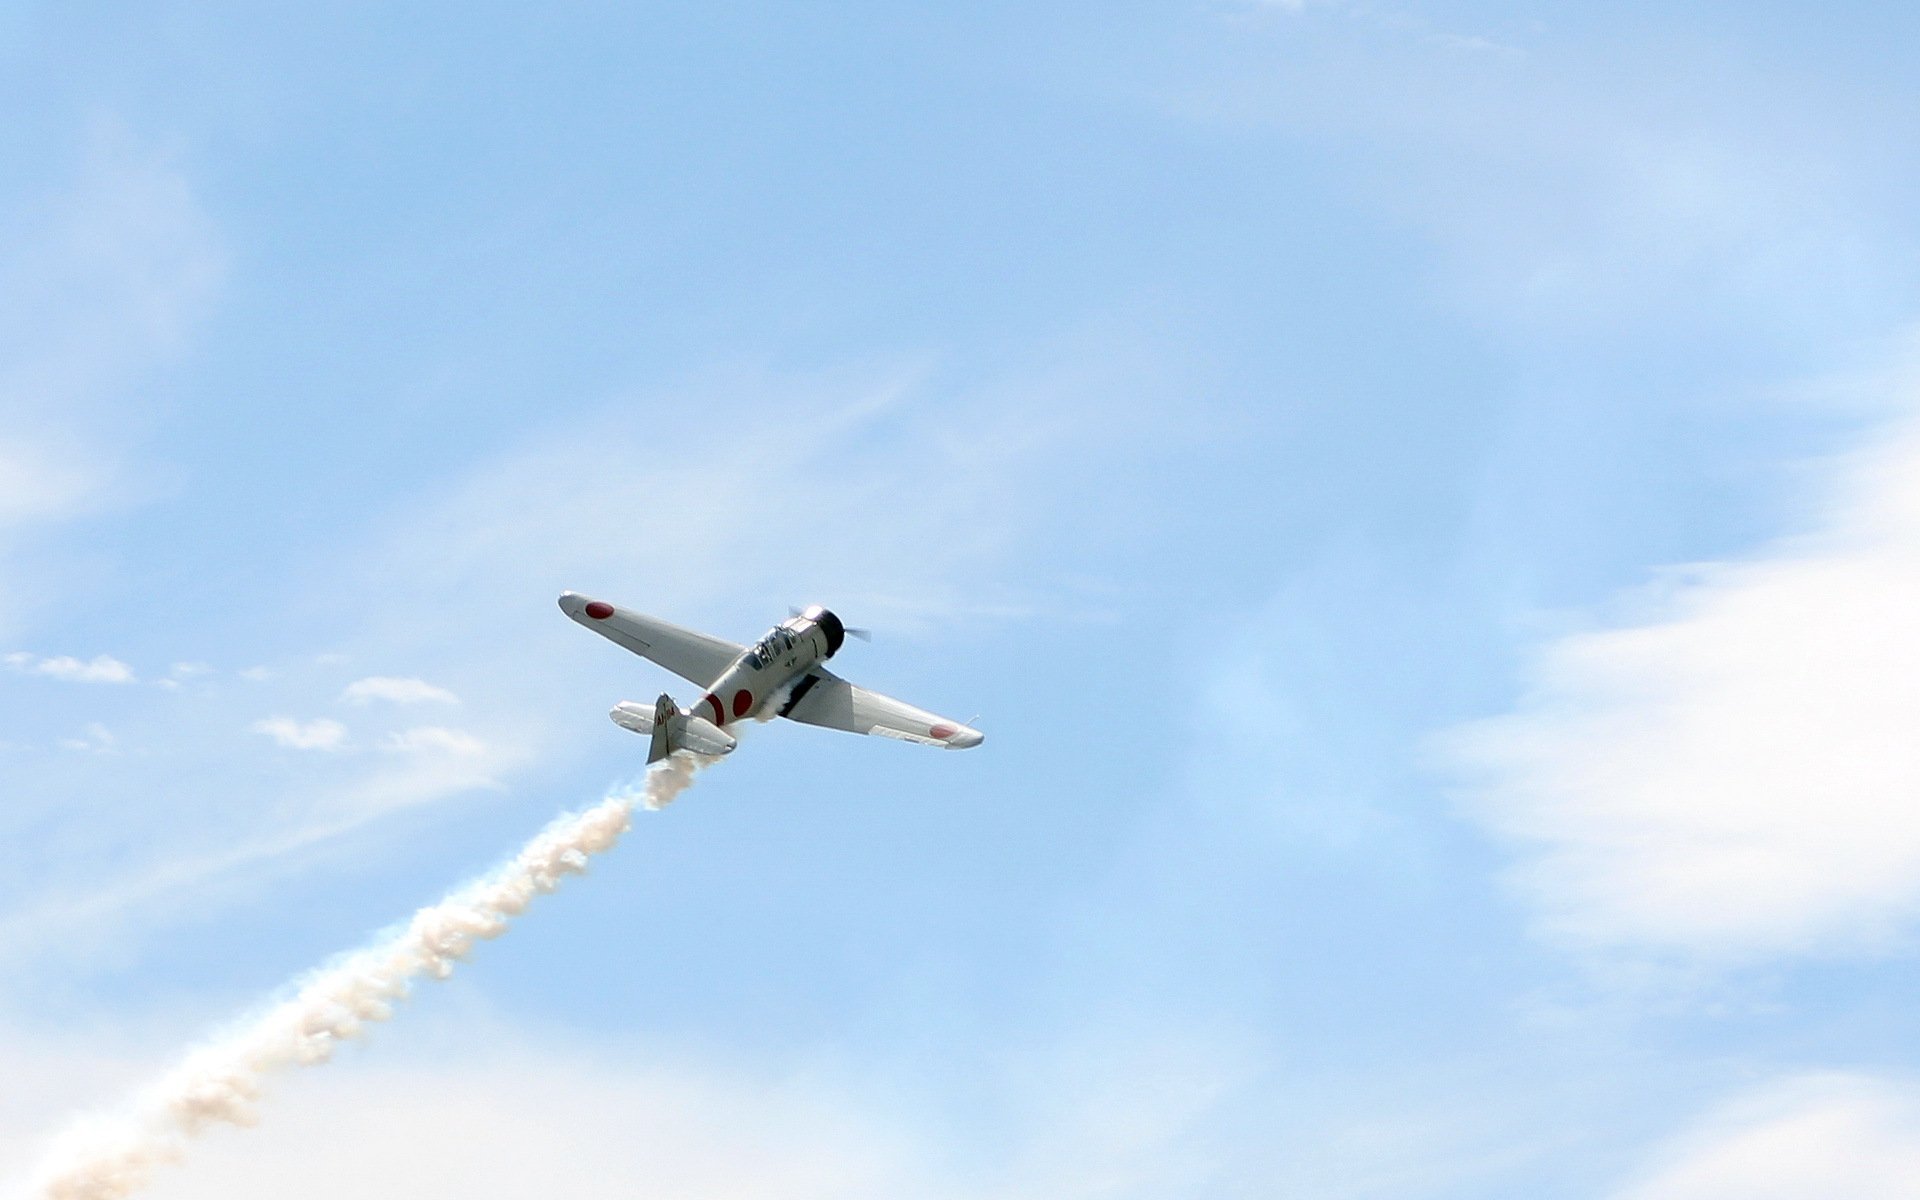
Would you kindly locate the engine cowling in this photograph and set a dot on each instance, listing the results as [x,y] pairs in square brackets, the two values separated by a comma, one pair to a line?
[830,626]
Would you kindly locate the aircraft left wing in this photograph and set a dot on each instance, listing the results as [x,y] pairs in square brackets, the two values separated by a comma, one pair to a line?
[823,698]
[694,657]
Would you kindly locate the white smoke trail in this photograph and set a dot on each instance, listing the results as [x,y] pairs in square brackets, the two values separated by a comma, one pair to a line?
[221,1083]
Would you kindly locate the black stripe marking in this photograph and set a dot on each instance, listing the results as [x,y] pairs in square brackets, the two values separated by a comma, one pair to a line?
[799,691]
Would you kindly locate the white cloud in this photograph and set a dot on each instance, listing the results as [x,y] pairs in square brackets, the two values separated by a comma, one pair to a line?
[434,739]
[1737,774]
[397,691]
[1815,1137]
[99,669]
[320,733]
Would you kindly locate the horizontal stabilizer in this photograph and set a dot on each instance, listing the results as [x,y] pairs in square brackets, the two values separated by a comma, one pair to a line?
[669,729]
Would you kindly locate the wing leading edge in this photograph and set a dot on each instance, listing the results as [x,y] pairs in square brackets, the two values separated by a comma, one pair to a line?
[824,699]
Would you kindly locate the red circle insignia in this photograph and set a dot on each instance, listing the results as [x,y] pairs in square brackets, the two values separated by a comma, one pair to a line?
[742,702]
[599,610]
[942,731]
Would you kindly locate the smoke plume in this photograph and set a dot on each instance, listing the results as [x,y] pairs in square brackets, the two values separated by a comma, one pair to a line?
[221,1084]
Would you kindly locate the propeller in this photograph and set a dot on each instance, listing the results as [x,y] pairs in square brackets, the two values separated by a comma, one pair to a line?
[865,635]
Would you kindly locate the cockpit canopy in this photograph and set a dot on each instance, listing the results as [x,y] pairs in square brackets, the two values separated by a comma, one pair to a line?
[770,648]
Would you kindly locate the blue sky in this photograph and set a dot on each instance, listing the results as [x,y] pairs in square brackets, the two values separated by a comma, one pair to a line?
[1417,494]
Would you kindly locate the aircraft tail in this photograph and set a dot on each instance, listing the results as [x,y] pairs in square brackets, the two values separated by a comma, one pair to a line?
[664,711]
[668,729]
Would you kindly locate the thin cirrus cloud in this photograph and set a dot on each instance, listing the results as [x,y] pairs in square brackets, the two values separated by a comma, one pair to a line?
[396,691]
[321,733]
[1733,778]
[99,669]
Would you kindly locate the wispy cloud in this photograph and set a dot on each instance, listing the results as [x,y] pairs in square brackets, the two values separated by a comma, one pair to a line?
[112,283]
[396,691]
[71,918]
[517,520]
[560,509]
[1812,1137]
[321,733]
[1559,206]
[101,280]
[97,739]
[1735,774]
[35,484]
[99,669]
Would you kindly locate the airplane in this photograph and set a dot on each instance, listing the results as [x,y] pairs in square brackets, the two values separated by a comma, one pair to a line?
[782,668]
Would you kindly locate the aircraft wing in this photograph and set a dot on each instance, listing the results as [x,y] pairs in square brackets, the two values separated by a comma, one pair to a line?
[823,698]
[694,657]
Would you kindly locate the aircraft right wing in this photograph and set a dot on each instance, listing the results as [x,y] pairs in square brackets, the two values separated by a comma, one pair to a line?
[823,698]
[694,657]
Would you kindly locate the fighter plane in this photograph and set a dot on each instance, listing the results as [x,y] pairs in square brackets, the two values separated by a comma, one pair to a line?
[782,669]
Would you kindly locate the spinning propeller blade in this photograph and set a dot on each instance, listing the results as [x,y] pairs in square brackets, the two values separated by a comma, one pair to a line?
[865,635]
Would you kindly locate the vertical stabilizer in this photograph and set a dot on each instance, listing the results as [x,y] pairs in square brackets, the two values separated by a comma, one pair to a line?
[664,712]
